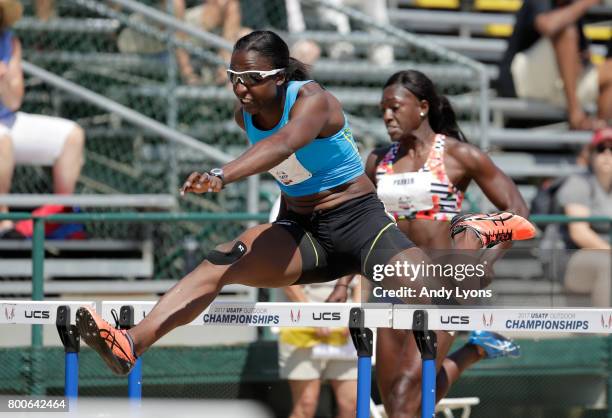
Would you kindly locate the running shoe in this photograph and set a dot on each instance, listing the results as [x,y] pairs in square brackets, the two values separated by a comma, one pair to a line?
[494,228]
[495,345]
[113,345]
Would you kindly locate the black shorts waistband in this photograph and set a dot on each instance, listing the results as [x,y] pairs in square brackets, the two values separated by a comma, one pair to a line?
[341,209]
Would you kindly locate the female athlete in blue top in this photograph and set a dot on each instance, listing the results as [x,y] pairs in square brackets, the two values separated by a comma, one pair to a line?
[331,222]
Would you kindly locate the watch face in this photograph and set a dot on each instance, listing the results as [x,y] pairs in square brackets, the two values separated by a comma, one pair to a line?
[217,172]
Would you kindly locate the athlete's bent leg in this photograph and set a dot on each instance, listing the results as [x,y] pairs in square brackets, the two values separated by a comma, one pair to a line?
[271,259]
[399,368]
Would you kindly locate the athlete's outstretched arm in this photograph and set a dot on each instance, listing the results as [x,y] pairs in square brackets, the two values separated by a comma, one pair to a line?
[496,185]
[309,116]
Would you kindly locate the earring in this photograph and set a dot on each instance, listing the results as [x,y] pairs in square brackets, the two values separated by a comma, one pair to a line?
[422,114]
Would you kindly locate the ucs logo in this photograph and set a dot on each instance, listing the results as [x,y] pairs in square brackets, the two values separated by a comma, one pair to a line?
[9,312]
[487,322]
[37,314]
[326,316]
[455,319]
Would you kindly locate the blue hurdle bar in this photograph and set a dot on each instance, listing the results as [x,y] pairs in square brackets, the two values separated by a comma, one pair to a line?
[70,339]
[126,321]
[135,382]
[428,402]
[363,340]
[428,345]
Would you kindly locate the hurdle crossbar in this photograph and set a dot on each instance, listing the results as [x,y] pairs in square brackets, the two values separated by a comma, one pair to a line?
[269,314]
[374,315]
[574,320]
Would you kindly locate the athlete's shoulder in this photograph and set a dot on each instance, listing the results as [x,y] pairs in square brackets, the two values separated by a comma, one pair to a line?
[468,156]
[310,89]
[460,149]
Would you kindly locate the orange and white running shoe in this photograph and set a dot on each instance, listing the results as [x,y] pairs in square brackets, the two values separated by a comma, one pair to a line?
[494,228]
[113,345]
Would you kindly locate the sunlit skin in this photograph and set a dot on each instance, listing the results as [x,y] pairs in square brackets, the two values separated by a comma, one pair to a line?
[272,257]
[265,102]
[406,120]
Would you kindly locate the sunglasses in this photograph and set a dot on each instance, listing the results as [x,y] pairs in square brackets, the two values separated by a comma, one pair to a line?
[601,148]
[250,78]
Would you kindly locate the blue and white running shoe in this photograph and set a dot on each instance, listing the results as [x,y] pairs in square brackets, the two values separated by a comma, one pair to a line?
[495,345]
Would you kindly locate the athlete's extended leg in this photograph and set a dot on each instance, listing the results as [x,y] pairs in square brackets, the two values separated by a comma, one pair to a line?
[271,259]
[398,370]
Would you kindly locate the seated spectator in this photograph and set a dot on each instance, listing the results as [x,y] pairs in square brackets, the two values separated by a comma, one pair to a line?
[548,59]
[223,18]
[590,195]
[377,10]
[131,41]
[304,50]
[25,138]
[45,9]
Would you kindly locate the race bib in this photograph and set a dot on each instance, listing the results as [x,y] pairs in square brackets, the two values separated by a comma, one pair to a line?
[290,172]
[406,192]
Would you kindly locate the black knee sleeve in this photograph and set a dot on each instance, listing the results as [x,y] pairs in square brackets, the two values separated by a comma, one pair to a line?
[230,257]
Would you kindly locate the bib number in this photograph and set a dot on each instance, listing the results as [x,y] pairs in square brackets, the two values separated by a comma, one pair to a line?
[406,192]
[290,172]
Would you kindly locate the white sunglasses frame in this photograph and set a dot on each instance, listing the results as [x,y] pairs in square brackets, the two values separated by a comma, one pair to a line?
[264,74]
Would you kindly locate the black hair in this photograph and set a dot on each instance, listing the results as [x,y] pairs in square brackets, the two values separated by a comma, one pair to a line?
[272,46]
[441,116]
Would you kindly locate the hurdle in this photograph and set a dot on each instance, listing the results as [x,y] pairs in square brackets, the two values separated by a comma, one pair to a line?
[61,314]
[358,317]
[425,320]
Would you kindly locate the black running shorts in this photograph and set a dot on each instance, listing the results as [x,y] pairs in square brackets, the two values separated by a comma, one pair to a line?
[348,239]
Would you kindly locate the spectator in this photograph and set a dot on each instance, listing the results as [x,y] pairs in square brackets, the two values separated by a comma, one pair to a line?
[308,356]
[304,50]
[377,10]
[222,17]
[548,59]
[26,138]
[590,195]
[45,9]
[131,41]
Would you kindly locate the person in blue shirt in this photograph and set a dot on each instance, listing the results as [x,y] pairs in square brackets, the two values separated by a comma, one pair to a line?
[331,222]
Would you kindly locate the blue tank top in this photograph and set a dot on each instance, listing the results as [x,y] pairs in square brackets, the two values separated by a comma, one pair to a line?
[321,165]
[7,116]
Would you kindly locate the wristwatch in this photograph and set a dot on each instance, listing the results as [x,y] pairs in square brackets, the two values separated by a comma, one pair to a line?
[217,172]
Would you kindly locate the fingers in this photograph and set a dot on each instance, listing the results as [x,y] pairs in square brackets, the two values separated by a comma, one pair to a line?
[189,182]
[196,183]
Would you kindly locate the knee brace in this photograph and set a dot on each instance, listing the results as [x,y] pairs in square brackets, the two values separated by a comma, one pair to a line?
[225,258]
